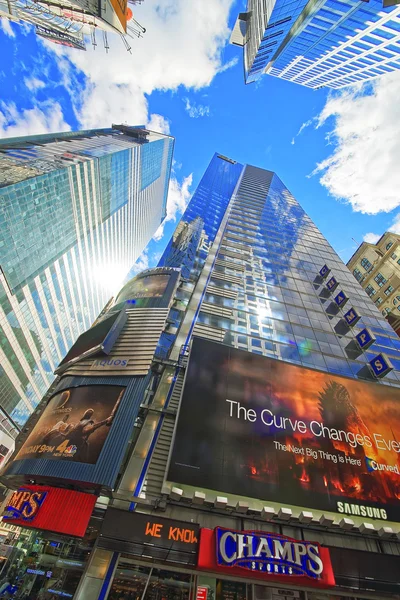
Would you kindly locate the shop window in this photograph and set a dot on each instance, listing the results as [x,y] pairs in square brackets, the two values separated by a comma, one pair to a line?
[131,581]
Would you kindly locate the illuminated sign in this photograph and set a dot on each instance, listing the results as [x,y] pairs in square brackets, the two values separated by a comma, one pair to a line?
[332,284]
[365,339]
[324,271]
[51,509]
[268,552]
[352,317]
[264,555]
[39,572]
[157,533]
[341,299]
[296,456]
[380,365]
[24,504]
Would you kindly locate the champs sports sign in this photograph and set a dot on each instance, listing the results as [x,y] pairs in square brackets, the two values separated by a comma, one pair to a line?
[260,555]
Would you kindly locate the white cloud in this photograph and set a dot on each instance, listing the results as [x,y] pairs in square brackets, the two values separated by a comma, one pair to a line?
[6,27]
[196,111]
[231,63]
[158,123]
[34,83]
[178,198]
[45,117]
[141,264]
[363,169]
[371,238]
[182,46]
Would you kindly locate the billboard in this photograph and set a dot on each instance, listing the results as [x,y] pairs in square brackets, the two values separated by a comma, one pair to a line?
[99,339]
[74,425]
[269,430]
[150,286]
[42,507]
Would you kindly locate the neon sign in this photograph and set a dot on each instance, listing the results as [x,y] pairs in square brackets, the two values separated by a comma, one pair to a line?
[24,504]
[268,553]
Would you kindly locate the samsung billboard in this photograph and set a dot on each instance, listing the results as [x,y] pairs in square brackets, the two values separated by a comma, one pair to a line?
[269,430]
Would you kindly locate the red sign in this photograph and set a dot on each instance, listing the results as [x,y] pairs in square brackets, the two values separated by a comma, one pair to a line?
[259,555]
[202,592]
[52,509]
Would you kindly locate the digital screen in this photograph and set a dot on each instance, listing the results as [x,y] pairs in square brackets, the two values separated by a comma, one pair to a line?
[161,537]
[74,425]
[269,430]
[150,286]
[90,340]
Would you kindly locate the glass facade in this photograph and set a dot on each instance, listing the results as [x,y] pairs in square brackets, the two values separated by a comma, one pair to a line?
[257,291]
[322,44]
[73,222]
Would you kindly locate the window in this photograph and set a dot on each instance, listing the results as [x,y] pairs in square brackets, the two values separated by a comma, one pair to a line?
[380,280]
[358,275]
[366,264]
[389,245]
[378,301]
[394,256]
[370,290]
[388,290]
[384,313]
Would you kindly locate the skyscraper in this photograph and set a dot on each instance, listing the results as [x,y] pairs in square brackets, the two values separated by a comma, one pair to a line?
[319,44]
[253,449]
[76,211]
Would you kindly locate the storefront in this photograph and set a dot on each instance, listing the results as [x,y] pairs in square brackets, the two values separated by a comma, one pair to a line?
[59,532]
[156,558]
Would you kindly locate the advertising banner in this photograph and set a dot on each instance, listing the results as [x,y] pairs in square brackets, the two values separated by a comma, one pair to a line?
[74,425]
[265,429]
[52,509]
[264,555]
[151,286]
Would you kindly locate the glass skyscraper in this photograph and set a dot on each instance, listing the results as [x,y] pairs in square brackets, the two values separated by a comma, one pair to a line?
[238,311]
[319,44]
[76,211]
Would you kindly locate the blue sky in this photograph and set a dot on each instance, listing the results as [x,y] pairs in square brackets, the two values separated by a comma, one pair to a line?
[185,78]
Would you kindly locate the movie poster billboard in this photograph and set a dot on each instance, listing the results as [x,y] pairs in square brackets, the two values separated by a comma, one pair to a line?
[269,430]
[74,425]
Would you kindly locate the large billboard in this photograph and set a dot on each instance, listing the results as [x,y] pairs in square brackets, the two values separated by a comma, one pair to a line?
[74,425]
[265,429]
[150,286]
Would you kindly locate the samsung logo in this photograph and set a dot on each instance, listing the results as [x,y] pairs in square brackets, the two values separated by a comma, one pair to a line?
[268,552]
[110,363]
[361,510]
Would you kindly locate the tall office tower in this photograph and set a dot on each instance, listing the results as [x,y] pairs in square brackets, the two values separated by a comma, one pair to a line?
[240,434]
[319,44]
[76,211]
[68,22]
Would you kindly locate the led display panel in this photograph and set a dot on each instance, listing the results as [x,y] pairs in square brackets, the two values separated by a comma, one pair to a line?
[269,430]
